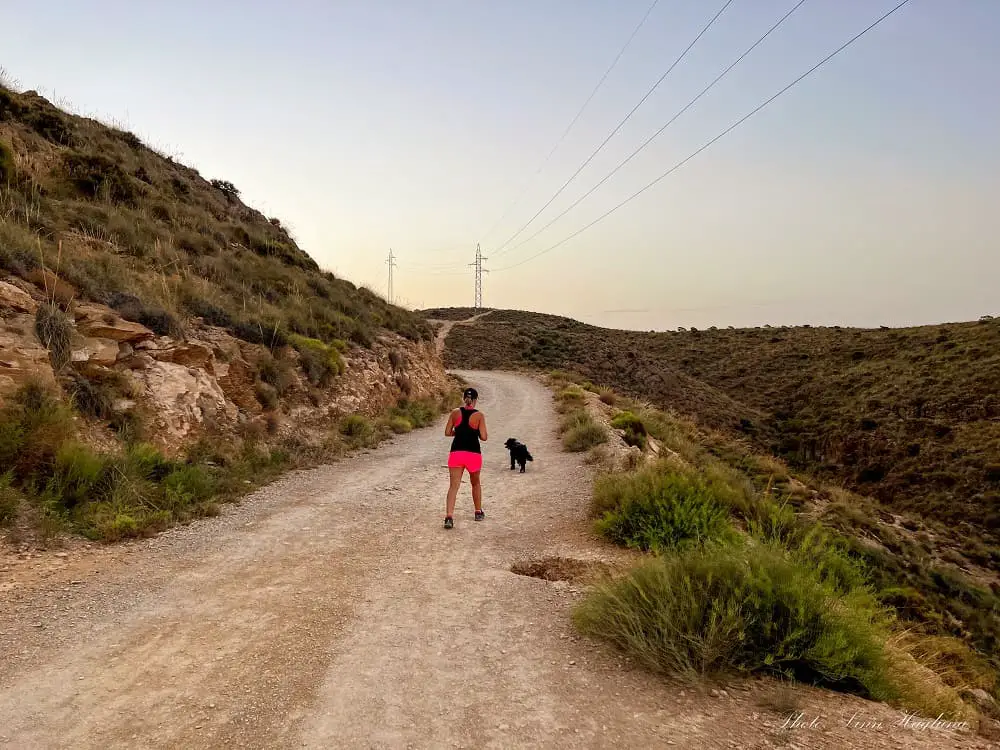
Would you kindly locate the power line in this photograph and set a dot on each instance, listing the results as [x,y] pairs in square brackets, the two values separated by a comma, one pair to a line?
[655,135]
[619,126]
[424,272]
[573,122]
[725,132]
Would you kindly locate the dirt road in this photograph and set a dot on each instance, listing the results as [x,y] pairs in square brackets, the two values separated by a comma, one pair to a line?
[333,610]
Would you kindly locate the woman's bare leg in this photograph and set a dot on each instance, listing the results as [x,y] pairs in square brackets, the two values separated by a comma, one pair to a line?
[477,490]
[455,473]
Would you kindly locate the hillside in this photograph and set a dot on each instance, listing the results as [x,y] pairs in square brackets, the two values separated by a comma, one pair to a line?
[154,239]
[908,416]
[163,345]
[889,439]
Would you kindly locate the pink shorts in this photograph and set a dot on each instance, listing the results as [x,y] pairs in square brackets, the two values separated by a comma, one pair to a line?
[465,460]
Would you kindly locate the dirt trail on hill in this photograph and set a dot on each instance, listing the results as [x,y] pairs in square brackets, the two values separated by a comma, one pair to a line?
[445,326]
[331,609]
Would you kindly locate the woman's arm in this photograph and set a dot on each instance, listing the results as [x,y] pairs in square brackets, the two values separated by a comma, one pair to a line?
[449,428]
[482,426]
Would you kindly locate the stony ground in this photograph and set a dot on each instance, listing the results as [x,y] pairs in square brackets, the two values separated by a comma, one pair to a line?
[333,610]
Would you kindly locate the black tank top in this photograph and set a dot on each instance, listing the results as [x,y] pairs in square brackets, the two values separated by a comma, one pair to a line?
[466,437]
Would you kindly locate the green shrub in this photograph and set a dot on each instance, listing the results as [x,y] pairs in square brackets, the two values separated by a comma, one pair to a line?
[187,486]
[98,177]
[635,429]
[129,425]
[76,476]
[772,522]
[743,609]
[657,511]
[144,462]
[109,522]
[572,394]
[356,426]
[276,373]
[419,412]
[94,397]
[50,124]
[581,432]
[320,362]
[155,318]
[400,425]
[55,332]
[268,333]
[33,427]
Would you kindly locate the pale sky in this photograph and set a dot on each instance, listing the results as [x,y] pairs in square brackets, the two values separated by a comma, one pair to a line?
[869,194]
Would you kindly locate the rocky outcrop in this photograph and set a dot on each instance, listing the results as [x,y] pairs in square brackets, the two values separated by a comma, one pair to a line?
[96,351]
[182,398]
[15,300]
[99,322]
[22,358]
[211,379]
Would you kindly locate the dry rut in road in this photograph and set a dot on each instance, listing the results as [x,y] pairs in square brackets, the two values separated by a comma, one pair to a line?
[332,610]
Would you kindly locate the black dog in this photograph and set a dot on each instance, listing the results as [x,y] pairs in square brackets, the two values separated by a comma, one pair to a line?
[518,453]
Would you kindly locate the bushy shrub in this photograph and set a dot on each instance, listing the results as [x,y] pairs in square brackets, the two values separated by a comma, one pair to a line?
[356,426]
[55,332]
[658,510]
[572,394]
[276,373]
[418,412]
[265,332]
[93,397]
[98,177]
[76,475]
[581,432]
[211,313]
[321,362]
[188,485]
[155,318]
[48,123]
[745,609]
[33,427]
[400,425]
[226,188]
[635,429]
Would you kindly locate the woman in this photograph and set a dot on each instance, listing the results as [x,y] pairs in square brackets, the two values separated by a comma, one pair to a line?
[467,427]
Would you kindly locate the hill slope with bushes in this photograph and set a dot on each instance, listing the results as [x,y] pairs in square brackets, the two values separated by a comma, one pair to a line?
[909,417]
[164,346]
[158,242]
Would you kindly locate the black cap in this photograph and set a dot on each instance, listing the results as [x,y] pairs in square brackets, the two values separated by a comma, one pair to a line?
[470,393]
